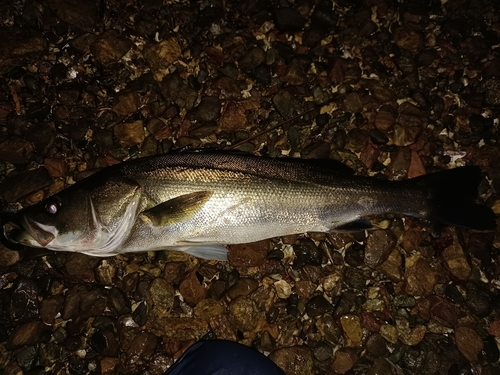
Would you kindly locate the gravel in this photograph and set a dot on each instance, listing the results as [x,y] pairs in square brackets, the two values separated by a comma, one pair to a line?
[392,89]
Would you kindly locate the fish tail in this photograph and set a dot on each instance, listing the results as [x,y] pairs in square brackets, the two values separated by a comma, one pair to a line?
[453,196]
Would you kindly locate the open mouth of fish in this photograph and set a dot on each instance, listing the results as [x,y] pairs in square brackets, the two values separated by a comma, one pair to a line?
[26,232]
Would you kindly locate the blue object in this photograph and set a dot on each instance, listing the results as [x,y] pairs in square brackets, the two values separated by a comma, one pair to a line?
[219,357]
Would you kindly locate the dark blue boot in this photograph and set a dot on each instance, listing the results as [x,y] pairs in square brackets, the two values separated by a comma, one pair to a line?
[219,357]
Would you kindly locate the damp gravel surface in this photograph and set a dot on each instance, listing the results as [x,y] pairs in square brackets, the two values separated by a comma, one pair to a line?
[392,89]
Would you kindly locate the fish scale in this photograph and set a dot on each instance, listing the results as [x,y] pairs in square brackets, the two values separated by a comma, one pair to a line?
[198,202]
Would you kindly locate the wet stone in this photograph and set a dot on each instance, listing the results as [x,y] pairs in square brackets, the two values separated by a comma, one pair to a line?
[50,307]
[82,16]
[117,303]
[192,290]
[108,365]
[324,16]
[5,280]
[243,287]
[354,277]
[376,345]
[208,109]
[322,352]
[173,272]
[295,74]
[344,361]
[16,150]
[178,91]
[26,334]
[456,261]
[378,137]
[233,117]
[494,328]
[80,264]
[490,349]
[183,329]
[400,163]
[222,327]
[104,323]
[384,121]
[329,329]
[8,257]
[110,46]
[307,252]
[402,300]
[469,343]
[295,360]
[283,101]
[68,94]
[444,310]
[478,300]
[420,277]
[81,301]
[379,246]
[380,366]
[344,306]
[129,134]
[248,255]
[352,103]
[288,19]
[24,301]
[208,308]
[308,272]
[142,346]
[351,326]
[356,139]
[453,294]
[317,306]
[354,255]
[27,357]
[217,289]
[252,59]
[245,313]
[17,45]
[140,314]
[126,102]
[414,359]
[106,272]
[49,353]
[160,297]
[56,167]
[60,335]
[389,333]
[162,55]
[105,343]
[21,184]
[312,36]
[283,289]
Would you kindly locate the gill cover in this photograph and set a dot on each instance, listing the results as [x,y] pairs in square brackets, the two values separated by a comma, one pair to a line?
[93,216]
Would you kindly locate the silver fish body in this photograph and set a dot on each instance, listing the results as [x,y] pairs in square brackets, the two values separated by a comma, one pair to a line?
[196,202]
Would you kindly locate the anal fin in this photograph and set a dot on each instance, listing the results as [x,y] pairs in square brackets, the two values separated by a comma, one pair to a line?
[212,252]
[354,226]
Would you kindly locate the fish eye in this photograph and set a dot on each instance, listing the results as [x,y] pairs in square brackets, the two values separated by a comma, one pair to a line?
[53,206]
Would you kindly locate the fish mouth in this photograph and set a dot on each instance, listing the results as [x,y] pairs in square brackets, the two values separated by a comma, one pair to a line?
[42,234]
[28,232]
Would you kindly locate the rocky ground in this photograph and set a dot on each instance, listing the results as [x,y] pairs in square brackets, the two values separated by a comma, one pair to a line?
[392,89]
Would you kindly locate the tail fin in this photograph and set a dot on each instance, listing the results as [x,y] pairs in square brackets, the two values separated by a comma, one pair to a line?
[452,198]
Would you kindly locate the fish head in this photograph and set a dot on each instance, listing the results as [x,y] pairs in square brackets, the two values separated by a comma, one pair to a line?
[92,216]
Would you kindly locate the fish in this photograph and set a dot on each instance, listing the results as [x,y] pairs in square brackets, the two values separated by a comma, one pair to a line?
[199,202]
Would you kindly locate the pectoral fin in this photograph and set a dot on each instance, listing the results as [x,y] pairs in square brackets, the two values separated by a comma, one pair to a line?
[177,209]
